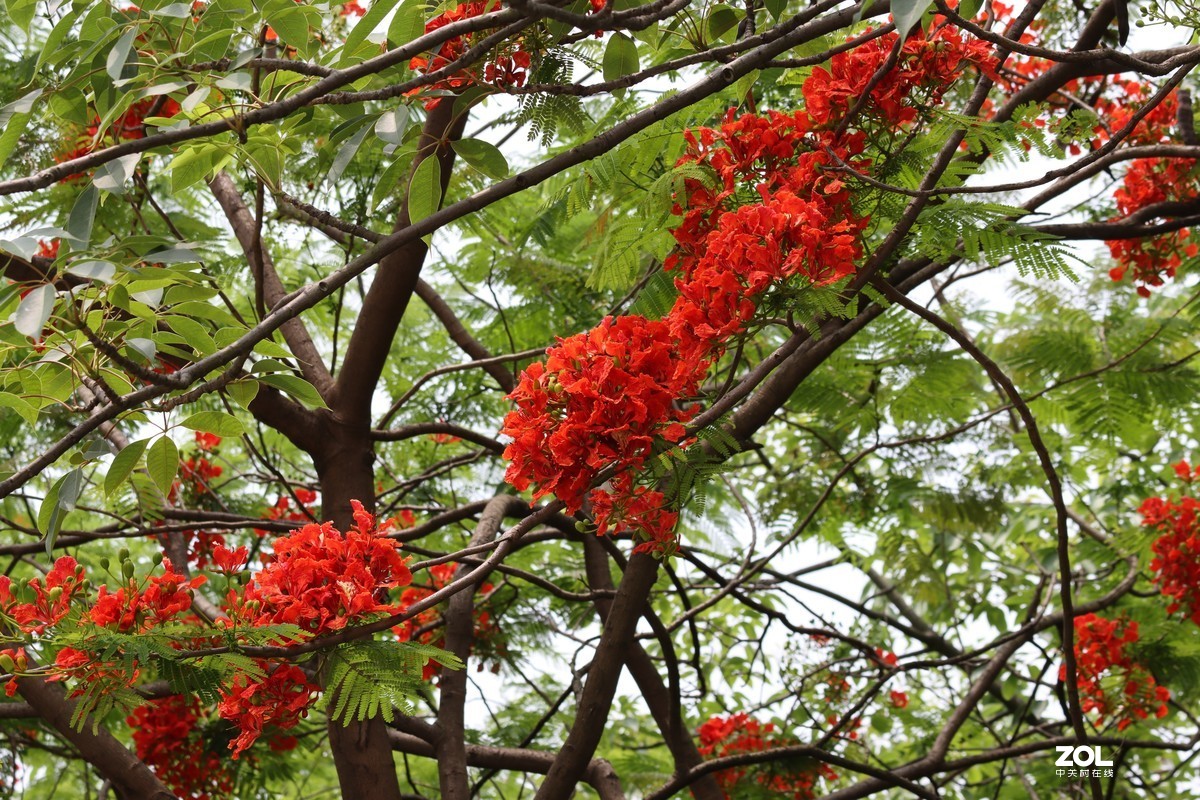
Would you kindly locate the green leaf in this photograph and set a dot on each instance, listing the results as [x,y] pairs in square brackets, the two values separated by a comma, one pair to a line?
[162,462]
[243,392]
[297,387]
[291,24]
[122,63]
[123,464]
[21,12]
[24,408]
[722,19]
[483,156]
[217,422]
[391,125]
[196,334]
[408,23]
[83,214]
[345,155]
[13,130]
[968,9]
[113,176]
[367,24]
[34,311]
[59,502]
[620,57]
[907,13]
[425,190]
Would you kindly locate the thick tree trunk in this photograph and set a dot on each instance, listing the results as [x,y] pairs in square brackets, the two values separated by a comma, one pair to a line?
[362,752]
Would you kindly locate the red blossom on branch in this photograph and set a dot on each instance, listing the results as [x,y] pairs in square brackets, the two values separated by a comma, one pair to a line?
[1111,681]
[739,733]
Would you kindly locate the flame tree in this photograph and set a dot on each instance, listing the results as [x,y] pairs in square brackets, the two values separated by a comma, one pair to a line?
[599,398]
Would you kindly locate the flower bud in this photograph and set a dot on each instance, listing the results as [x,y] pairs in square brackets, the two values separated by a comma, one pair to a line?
[105,563]
[123,554]
[127,569]
[6,663]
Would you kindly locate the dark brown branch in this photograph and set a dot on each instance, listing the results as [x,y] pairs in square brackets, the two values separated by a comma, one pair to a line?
[450,730]
[131,779]
[246,229]
[599,773]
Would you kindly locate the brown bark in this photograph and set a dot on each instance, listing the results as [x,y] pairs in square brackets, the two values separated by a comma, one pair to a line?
[591,716]
[665,712]
[129,777]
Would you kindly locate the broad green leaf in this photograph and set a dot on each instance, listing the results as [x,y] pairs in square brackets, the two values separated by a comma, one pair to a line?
[83,214]
[425,190]
[27,410]
[94,270]
[408,23]
[295,386]
[720,20]
[113,176]
[123,464]
[34,311]
[345,155]
[21,12]
[218,422]
[195,333]
[121,63]
[11,135]
[483,156]
[367,24]
[243,392]
[907,13]
[390,127]
[620,57]
[162,462]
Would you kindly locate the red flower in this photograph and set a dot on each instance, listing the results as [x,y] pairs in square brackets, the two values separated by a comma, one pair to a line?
[229,561]
[169,735]
[322,579]
[52,596]
[134,608]
[740,733]
[207,441]
[898,699]
[278,701]
[1102,655]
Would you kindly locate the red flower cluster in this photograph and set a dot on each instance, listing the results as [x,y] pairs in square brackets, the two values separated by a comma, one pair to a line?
[168,735]
[426,627]
[1176,563]
[279,701]
[925,69]
[1102,656]
[322,579]
[51,600]
[1149,181]
[48,249]
[139,608]
[508,65]
[740,733]
[605,400]
[602,399]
